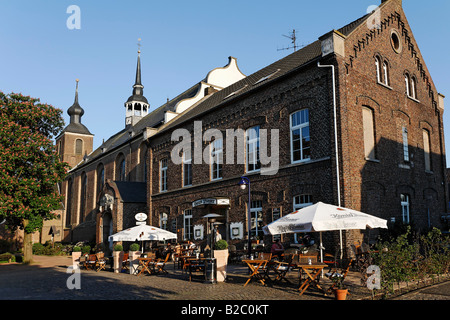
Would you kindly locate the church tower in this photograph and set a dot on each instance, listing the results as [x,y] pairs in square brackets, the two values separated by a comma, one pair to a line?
[75,141]
[137,105]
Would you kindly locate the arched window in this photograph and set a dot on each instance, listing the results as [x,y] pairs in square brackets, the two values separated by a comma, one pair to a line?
[413,87]
[100,178]
[378,67]
[120,173]
[83,196]
[386,73]
[69,203]
[78,146]
[408,84]
[369,133]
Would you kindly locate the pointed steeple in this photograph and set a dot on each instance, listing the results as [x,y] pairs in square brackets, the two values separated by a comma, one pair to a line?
[138,88]
[136,105]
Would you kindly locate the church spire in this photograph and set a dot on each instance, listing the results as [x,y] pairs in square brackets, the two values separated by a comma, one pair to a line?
[136,105]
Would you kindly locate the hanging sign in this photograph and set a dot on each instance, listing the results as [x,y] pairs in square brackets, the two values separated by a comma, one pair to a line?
[140,216]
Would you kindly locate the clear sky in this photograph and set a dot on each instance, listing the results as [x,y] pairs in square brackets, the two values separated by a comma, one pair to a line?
[181,42]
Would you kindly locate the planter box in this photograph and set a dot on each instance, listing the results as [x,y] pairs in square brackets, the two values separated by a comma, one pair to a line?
[221,264]
[118,259]
[134,260]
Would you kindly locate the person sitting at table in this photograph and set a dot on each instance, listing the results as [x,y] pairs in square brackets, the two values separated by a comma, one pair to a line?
[191,245]
[277,249]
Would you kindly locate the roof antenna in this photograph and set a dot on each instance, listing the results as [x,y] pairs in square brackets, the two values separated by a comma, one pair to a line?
[293,38]
[139,45]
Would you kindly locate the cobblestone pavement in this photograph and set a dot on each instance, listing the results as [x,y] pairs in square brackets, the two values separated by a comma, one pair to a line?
[47,278]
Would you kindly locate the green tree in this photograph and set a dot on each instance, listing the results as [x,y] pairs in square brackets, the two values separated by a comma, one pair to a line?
[30,168]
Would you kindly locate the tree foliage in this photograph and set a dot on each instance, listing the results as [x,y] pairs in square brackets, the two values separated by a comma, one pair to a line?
[30,168]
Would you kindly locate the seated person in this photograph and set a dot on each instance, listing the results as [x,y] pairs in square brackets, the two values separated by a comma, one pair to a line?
[277,249]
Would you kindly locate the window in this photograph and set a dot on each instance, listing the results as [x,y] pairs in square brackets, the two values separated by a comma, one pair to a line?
[427,150]
[163,221]
[69,203]
[404,201]
[386,73]
[83,196]
[369,133]
[100,178]
[121,170]
[378,66]
[163,175]
[253,160]
[216,159]
[411,85]
[300,139]
[301,201]
[256,219]
[405,144]
[78,147]
[408,85]
[188,227]
[187,171]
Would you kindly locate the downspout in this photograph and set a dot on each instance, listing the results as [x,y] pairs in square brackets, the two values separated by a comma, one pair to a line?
[335,131]
[335,147]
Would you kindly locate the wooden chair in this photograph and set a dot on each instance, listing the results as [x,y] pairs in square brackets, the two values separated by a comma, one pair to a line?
[125,261]
[91,262]
[100,262]
[281,268]
[159,264]
[342,266]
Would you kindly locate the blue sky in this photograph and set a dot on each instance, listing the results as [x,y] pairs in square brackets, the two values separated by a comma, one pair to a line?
[181,42]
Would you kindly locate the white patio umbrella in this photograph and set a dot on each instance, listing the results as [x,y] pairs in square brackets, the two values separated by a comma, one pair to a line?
[142,233]
[324,217]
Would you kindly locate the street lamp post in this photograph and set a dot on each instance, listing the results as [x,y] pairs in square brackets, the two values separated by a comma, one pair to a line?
[243,183]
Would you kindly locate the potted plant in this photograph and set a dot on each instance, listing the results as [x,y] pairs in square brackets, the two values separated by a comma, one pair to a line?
[133,256]
[340,291]
[118,257]
[221,255]
[76,254]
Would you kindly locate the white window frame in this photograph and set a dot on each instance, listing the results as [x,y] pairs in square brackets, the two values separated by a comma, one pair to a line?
[386,73]
[256,215]
[163,175]
[299,127]
[378,66]
[301,201]
[405,144]
[188,228]
[216,159]
[405,204]
[163,218]
[187,171]
[253,144]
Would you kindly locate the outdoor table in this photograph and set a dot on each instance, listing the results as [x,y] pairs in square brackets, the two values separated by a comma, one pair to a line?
[144,263]
[256,266]
[312,271]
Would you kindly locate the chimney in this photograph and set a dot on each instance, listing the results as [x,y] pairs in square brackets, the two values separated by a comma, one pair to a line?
[210,90]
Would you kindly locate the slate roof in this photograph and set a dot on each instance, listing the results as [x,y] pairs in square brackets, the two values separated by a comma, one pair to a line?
[284,66]
[132,191]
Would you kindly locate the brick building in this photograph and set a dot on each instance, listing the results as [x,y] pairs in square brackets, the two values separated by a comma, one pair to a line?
[355,117]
